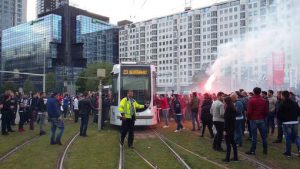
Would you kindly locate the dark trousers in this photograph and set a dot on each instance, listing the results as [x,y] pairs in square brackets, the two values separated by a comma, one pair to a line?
[65,112]
[219,136]
[84,124]
[32,119]
[195,118]
[76,112]
[128,127]
[209,125]
[22,119]
[229,138]
[280,130]
[5,123]
[13,118]
[270,123]
[178,119]
[249,129]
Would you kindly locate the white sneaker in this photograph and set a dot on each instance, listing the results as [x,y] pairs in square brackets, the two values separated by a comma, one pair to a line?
[165,126]
[176,131]
[183,128]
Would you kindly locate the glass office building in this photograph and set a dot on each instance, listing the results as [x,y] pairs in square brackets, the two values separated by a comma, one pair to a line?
[24,47]
[85,25]
[67,49]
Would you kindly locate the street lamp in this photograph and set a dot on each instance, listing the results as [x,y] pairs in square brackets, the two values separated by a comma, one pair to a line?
[44,69]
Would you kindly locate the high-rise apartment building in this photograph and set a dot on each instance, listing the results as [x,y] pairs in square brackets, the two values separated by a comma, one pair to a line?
[184,45]
[12,13]
[43,6]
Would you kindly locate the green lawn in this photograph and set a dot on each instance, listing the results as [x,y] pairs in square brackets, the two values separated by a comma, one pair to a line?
[274,158]
[156,152]
[39,154]
[14,139]
[98,150]
[201,146]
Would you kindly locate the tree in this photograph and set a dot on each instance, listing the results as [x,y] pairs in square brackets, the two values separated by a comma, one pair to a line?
[9,85]
[28,86]
[50,82]
[88,80]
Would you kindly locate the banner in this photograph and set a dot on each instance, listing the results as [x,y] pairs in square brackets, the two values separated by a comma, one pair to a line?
[278,68]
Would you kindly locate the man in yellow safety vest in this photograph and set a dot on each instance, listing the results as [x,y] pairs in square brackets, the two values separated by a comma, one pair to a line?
[127,109]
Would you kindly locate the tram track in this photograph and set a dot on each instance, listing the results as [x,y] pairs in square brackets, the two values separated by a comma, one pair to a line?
[121,157]
[191,152]
[178,157]
[60,160]
[250,159]
[17,148]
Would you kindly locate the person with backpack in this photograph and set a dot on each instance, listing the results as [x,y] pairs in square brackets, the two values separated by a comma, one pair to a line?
[206,117]
[178,113]
[194,109]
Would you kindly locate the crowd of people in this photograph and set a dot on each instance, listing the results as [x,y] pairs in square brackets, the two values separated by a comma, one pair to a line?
[227,117]
[231,116]
[38,108]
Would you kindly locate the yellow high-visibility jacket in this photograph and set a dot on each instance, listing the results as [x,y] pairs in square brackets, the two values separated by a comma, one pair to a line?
[125,107]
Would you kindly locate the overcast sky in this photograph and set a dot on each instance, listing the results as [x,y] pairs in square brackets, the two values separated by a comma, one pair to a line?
[134,10]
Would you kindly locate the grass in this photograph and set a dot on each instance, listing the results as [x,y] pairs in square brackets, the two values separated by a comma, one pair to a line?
[98,150]
[157,153]
[201,146]
[39,154]
[275,159]
[14,139]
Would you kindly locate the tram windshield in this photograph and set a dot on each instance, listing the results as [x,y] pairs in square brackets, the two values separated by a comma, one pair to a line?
[140,85]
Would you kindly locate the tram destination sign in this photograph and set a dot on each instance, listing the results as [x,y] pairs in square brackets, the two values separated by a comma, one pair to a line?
[135,71]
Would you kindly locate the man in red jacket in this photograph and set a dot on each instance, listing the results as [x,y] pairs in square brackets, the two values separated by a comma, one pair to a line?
[164,106]
[257,110]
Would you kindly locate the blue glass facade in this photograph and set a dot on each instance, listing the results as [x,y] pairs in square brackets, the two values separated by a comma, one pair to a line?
[68,37]
[85,25]
[25,46]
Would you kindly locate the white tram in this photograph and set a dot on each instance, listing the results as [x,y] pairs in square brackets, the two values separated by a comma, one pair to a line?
[141,79]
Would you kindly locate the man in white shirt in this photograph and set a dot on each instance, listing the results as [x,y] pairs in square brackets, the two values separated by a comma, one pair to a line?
[217,110]
[76,109]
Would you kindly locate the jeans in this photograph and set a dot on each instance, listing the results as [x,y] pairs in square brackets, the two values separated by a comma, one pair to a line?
[261,126]
[270,123]
[41,118]
[195,118]
[56,123]
[128,127]
[166,116]
[178,119]
[219,136]
[238,132]
[84,124]
[229,138]
[291,134]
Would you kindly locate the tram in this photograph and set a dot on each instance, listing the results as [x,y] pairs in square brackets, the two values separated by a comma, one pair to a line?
[141,79]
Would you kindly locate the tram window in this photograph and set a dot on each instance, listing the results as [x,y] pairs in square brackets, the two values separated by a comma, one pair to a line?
[140,87]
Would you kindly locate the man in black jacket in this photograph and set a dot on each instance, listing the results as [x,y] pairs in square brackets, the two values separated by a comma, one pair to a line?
[42,113]
[288,113]
[85,108]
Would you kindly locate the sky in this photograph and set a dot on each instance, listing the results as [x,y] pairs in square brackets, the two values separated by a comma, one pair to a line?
[134,10]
